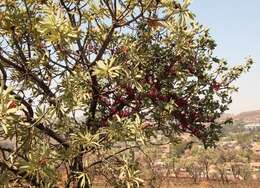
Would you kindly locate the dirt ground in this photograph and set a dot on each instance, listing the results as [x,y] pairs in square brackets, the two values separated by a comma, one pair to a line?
[186,183]
[214,185]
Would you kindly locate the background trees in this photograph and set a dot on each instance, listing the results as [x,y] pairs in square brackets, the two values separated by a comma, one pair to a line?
[228,161]
[82,82]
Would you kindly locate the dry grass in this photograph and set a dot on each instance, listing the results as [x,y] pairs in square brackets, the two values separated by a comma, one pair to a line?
[211,184]
[186,183]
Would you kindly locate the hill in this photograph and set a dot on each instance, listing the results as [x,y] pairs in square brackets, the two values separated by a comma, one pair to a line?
[248,116]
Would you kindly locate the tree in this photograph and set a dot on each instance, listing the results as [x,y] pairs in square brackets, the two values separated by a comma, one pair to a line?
[193,165]
[205,158]
[177,151]
[222,164]
[197,161]
[82,82]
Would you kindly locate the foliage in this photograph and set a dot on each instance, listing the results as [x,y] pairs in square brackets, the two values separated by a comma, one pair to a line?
[85,81]
[229,160]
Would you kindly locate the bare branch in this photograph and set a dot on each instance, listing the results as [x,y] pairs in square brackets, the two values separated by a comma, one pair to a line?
[53,135]
[112,155]
[105,44]
[40,83]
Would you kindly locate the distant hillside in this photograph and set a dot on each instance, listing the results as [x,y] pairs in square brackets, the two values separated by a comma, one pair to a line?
[248,117]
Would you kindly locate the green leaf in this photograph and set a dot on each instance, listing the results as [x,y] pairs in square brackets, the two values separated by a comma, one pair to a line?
[105,69]
[4,128]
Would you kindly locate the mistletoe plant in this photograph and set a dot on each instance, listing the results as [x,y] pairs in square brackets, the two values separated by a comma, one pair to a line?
[84,82]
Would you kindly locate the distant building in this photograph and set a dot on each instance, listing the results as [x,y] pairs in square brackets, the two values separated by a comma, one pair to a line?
[252,126]
[228,143]
[255,166]
[165,149]
[256,148]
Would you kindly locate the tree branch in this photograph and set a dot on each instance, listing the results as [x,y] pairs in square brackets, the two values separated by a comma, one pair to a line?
[112,155]
[19,48]
[3,73]
[46,130]
[74,24]
[30,179]
[53,135]
[40,83]
[105,44]
[10,150]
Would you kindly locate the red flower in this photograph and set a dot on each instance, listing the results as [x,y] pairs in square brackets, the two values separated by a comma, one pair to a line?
[191,68]
[130,91]
[124,113]
[181,102]
[216,86]
[153,93]
[147,125]
[103,123]
[124,49]
[104,100]
[113,110]
[164,98]
[120,100]
[12,105]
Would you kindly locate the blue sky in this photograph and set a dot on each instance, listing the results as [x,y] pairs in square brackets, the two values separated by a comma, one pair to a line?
[235,25]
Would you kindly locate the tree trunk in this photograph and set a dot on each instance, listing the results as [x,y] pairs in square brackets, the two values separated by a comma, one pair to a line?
[207,171]
[76,166]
